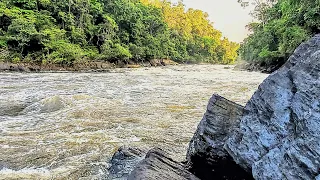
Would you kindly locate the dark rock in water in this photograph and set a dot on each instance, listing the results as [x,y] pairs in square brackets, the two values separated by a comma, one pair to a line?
[279,134]
[11,109]
[157,165]
[124,161]
[156,62]
[206,155]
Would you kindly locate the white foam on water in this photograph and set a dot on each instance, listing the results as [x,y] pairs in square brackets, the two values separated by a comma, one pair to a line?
[4,146]
[26,173]
[134,139]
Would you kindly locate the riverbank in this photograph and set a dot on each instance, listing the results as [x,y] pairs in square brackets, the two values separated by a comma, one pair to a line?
[259,67]
[105,66]
[89,66]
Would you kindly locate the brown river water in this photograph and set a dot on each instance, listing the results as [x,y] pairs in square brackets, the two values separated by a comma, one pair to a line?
[68,125]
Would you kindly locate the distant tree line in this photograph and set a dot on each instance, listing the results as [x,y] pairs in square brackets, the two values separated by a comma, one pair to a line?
[66,31]
[282,25]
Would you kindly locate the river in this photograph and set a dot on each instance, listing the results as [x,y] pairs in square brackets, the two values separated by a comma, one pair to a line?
[68,125]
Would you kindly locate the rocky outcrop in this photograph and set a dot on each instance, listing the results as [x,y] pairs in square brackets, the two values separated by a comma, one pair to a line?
[15,67]
[124,161]
[260,67]
[279,133]
[206,155]
[157,165]
[37,67]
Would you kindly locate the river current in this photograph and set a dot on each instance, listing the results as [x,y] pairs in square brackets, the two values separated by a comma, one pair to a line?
[68,125]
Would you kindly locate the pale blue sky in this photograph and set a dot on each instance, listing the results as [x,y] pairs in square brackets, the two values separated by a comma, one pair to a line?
[228,16]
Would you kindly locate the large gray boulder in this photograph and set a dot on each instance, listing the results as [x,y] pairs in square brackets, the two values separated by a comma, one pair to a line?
[157,165]
[206,155]
[279,133]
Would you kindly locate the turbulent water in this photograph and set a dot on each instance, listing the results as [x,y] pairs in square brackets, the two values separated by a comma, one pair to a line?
[68,125]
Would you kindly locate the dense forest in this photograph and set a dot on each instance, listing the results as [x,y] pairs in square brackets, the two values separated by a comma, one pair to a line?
[67,31]
[282,26]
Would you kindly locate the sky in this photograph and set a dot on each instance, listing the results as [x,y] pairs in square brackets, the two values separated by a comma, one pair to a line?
[227,16]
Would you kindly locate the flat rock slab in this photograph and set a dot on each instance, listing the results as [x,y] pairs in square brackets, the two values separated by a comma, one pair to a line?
[124,161]
[157,165]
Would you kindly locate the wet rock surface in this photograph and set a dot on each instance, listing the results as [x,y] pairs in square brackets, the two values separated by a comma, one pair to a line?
[279,134]
[157,165]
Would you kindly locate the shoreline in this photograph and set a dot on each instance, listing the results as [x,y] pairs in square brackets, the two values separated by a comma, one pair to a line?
[90,66]
[105,66]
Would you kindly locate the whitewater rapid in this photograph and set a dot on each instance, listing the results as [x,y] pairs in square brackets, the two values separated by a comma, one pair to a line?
[68,125]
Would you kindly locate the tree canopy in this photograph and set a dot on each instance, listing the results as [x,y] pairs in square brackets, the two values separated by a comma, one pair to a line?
[65,31]
[285,24]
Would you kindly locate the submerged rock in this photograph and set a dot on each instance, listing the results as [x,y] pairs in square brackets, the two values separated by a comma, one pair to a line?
[206,155]
[47,105]
[279,134]
[157,165]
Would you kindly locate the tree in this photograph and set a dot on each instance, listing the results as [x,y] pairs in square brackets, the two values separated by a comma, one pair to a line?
[260,8]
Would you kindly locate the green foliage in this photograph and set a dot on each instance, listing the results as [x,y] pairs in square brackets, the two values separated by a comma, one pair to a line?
[63,52]
[119,30]
[286,25]
[112,51]
[3,43]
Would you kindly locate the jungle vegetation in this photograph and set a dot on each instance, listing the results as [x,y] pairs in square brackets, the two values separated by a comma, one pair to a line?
[282,26]
[67,31]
